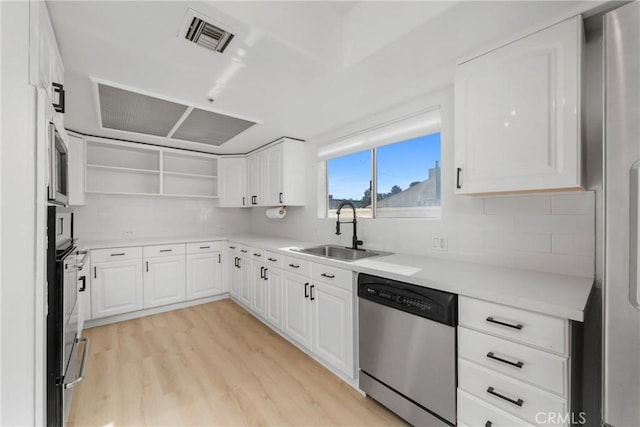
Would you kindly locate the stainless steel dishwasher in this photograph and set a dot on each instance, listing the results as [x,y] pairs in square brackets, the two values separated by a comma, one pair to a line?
[408,349]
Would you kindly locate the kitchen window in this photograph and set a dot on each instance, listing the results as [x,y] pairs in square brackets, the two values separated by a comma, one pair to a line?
[401,167]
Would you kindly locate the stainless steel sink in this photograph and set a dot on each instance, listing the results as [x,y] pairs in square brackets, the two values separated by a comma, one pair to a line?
[340,252]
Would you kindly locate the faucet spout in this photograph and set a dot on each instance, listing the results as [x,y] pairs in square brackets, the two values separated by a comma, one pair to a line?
[354,241]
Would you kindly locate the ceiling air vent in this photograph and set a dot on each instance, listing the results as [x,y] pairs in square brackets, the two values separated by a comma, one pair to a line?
[208,35]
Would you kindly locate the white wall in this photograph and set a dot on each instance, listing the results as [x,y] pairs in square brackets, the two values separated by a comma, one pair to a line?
[553,233]
[107,217]
[17,365]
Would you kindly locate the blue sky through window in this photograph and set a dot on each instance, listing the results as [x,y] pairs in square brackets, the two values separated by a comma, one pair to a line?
[398,164]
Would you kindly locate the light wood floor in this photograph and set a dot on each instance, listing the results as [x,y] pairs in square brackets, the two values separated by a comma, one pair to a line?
[212,364]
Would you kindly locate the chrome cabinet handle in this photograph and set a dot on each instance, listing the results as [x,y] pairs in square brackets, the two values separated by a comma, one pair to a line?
[294,265]
[328,276]
[508,325]
[83,364]
[517,402]
[517,364]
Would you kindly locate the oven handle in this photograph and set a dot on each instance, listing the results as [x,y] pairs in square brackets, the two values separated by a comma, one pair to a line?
[83,365]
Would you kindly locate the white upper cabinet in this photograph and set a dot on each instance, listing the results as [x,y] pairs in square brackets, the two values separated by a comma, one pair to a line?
[517,114]
[47,68]
[274,177]
[233,182]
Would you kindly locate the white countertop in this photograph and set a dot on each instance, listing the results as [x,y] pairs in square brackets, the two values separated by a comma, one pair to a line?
[553,294]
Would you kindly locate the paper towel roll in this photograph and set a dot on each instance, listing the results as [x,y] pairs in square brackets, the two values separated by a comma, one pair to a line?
[276,213]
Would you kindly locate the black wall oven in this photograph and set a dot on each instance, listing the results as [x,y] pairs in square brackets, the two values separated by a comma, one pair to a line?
[63,342]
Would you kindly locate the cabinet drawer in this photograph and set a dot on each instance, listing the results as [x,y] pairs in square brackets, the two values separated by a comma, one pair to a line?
[256,254]
[476,412]
[296,265]
[506,393]
[332,275]
[200,247]
[273,259]
[539,330]
[524,363]
[115,254]
[163,250]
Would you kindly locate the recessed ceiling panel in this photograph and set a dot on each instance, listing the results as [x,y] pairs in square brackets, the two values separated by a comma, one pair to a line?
[210,128]
[133,112]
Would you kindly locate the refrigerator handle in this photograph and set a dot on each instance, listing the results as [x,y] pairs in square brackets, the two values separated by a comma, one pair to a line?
[634,237]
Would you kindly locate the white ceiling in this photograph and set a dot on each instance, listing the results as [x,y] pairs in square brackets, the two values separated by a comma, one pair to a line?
[299,69]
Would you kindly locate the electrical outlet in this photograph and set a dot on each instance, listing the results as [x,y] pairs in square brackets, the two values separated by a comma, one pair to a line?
[440,244]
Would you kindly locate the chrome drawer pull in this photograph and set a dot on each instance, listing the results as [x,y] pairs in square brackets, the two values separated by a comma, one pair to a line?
[518,402]
[328,276]
[508,325]
[517,364]
[294,265]
[120,254]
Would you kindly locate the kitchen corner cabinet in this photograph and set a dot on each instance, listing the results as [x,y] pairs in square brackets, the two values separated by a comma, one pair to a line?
[116,281]
[233,182]
[204,270]
[518,114]
[274,177]
[164,275]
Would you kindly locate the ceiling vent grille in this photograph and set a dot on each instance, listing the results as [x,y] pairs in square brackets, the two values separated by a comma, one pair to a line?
[208,35]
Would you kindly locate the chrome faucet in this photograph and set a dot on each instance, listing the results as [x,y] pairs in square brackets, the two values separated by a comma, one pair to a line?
[355,241]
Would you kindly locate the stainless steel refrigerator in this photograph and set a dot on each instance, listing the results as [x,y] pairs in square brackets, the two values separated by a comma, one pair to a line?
[621,334]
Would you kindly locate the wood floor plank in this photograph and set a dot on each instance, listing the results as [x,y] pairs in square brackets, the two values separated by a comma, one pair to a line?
[212,364]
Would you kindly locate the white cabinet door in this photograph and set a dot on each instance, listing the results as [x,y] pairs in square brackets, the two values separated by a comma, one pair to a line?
[244,281]
[164,280]
[332,311]
[274,297]
[76,170]
[259,285]
[204,275]
[233,182]
[116,287]
[297,313]
[273,171]
[231,274]
[517,114]
[257,183]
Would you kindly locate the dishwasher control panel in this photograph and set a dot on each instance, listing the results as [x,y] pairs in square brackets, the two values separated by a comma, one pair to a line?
[418,300]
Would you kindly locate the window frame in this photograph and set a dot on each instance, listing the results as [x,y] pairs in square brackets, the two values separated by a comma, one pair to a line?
[374,181]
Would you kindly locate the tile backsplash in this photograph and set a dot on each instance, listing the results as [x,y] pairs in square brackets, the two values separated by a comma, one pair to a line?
[552,233]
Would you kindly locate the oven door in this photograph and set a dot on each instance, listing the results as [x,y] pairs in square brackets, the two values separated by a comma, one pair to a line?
[58,167]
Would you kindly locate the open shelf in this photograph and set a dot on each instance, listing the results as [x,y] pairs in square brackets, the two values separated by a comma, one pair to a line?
[122,156]
[116,180]
[191,175]
[190,164]
[118,168]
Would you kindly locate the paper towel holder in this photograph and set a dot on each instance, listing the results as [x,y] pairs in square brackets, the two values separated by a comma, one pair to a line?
[276,212]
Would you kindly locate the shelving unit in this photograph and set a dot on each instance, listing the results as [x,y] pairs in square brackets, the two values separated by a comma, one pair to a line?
[120,168]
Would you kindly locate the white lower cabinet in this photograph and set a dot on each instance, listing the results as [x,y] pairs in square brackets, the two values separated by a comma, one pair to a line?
[204,275]
[332,320]
[164,280]
[231,272]
[274,297]
[297,311]
[514,366]
[116,287]
[259,285]
[244,281]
